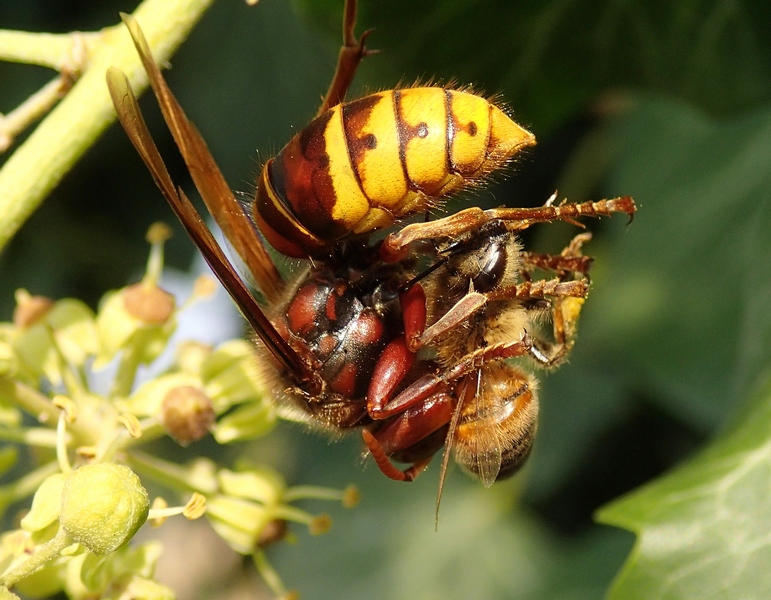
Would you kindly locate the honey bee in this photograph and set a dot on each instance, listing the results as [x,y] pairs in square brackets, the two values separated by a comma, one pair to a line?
[350,341]
[484,308]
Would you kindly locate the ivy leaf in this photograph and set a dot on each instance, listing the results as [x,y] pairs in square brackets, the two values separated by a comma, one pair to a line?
[703,530]
[714,55]
[687,306]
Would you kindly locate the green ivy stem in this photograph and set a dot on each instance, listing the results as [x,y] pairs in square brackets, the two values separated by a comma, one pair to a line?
[53,50]
[170,474]
[269,574]
[291,513]
[130,358]
[71,128]
[29,111]
[29,436]
[37,404]
[42,554]
[310,492]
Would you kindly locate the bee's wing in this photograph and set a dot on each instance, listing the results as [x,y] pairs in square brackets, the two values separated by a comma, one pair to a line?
[486,443]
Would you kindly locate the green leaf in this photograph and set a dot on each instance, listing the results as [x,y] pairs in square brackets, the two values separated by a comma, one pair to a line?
[703,529]
[714,54]
[686,307]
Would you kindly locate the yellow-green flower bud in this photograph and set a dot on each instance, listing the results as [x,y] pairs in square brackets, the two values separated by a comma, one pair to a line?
[72,325]
[238,522]
[5,594]
[140,587]
[247,422]
[30,309]
[103,506]
[134,320]
[147,400]
[148,303]
[187,414]
[232,375]
[263,485]
[191,354]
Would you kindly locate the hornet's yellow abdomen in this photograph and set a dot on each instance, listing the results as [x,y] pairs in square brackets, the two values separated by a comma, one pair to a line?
[364,164]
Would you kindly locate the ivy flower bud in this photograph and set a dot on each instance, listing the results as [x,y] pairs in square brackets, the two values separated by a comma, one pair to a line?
[30,309]
[190,355]
[6,594]
[8,362]
[103,506]
[187,414]
[148,303]
[64,330]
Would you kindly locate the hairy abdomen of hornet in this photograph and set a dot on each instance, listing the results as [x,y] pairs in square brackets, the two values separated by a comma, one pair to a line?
[364,164]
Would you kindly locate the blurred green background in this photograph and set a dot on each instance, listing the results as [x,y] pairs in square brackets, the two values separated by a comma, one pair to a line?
[668,101]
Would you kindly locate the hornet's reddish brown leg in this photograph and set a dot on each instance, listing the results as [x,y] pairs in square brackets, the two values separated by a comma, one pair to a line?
[422,424]
[386,466]
[394,245]
[399,355]
[429,385]
[351,54]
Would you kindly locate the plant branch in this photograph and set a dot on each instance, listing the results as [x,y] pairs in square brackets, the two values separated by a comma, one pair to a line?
[71,128]
[53,50]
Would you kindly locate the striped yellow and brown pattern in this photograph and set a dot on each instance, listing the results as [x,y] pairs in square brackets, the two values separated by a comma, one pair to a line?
[364,164]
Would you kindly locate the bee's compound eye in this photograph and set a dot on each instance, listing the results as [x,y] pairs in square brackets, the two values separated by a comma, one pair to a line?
[493,267]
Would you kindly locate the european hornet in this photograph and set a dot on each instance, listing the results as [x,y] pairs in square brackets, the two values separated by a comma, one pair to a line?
[406,338]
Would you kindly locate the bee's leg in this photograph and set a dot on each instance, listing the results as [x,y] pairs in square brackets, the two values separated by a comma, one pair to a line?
[565,309]
[566,312]
[566,264]
[398,357]
[351,54]
[541,288]
[563,300]
[517,219]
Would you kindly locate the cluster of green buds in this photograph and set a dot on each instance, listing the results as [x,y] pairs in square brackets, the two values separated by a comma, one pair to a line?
[86,448]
